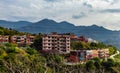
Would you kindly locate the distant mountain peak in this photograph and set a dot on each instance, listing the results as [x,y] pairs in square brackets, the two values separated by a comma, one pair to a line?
[46,21]
[67,23]
[96,26]
[23,21]
[64,22]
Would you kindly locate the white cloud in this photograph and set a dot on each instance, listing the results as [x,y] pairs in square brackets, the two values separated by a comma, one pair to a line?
[60,10]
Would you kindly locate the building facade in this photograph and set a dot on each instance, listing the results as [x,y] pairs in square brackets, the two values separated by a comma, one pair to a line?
[4,39]
[30,39]
[18,39]
[22,40]
[54,41]
[83,55]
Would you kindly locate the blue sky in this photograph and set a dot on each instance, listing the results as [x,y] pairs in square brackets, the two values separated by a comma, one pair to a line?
[79,12]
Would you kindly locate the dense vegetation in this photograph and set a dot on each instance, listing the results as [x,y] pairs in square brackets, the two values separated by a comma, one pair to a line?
[83,45]
[28,60]
[19,60]
[14,59]
[6,31]
[91,46]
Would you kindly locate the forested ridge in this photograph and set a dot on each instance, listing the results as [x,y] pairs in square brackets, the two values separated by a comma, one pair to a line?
[6,31]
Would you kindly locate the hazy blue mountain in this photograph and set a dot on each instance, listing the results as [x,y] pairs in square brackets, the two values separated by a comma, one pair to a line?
[46,26]
[94,31]
[13,25]
[101,34]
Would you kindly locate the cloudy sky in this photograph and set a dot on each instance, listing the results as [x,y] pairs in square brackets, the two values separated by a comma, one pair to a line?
[79,12]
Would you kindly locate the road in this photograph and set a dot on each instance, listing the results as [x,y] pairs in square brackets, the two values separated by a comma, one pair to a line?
[112,56]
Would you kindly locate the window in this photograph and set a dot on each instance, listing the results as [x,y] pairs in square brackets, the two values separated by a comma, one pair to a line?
[48,36]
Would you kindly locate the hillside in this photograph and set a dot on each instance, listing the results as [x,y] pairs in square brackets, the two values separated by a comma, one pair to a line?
[19,60]
[6,31]
[28,60]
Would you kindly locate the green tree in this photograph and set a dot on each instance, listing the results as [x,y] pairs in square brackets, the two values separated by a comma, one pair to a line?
[1,32]
[31,51]
[101,45]
[93,45]
[90,65]
[112,49]
[76,45]
[108,64]
[37,43]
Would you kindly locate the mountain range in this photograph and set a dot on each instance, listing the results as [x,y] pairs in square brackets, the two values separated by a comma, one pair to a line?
[13,25]
[46,26]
